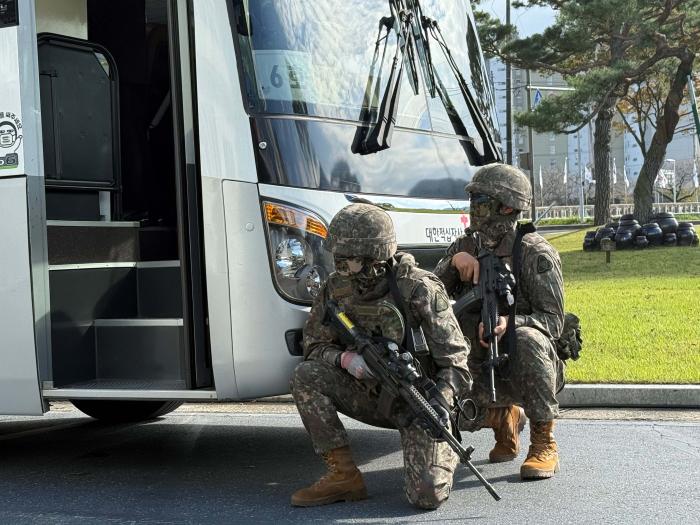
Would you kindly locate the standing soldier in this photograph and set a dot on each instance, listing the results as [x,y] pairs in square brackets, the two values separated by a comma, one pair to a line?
[534,372]
[388,296]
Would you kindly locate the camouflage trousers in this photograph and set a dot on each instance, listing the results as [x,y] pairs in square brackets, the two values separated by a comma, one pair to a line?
[321,390]
[535,375]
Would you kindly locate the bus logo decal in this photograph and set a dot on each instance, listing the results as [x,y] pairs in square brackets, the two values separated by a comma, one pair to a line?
[10,140]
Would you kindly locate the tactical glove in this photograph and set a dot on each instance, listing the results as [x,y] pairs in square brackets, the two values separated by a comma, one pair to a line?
[441,411]
[443,416]
[355,364]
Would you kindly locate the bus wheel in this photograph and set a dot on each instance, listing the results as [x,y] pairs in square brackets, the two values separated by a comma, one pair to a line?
[124,411]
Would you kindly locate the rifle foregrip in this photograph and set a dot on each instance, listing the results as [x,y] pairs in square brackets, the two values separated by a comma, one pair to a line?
[423,403]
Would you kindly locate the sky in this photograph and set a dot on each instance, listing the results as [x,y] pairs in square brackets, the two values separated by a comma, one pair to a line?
[529,21]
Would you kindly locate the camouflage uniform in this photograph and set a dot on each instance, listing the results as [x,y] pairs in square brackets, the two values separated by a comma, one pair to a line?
[321,388]
[535,372]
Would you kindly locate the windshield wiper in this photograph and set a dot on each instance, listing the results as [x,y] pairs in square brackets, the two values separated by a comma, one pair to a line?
[489,151]
[414,32]
[378,123]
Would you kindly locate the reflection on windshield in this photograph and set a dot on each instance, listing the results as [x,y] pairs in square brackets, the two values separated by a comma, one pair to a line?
[312,58]
[315,154]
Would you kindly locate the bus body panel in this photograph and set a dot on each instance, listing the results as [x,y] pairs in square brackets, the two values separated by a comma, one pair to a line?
[217,282]
[19,383]
[24,316]
[259,315]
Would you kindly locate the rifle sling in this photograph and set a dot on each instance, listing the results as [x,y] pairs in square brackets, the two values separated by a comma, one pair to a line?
[521,231]
[407,342]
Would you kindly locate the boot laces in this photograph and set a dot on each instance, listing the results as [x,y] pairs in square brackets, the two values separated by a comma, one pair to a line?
[332,469]
[543,452]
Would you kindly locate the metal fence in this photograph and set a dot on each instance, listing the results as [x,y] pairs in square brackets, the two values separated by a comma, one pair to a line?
[562,212]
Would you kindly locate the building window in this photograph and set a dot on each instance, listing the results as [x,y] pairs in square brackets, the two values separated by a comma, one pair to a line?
[552,149]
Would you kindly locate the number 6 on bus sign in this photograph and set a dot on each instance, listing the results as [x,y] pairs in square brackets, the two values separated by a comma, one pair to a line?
[283,75]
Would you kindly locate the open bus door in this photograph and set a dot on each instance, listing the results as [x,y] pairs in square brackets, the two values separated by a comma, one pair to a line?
[24,346]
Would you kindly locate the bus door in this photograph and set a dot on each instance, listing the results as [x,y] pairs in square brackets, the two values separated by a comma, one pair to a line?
[24,321]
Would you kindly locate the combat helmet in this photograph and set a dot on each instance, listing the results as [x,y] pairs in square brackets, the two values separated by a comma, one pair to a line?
[362,230]
[503,182]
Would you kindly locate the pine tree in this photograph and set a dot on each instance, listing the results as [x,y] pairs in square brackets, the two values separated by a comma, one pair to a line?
[601,47]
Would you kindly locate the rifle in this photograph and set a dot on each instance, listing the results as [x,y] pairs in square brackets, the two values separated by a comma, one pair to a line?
[397,374]
[495,292]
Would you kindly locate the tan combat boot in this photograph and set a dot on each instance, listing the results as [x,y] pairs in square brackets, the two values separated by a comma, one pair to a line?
[507,424]
[342,482]
[542,459]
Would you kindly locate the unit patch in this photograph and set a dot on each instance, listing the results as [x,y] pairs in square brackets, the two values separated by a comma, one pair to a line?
[544,264]
[441,303]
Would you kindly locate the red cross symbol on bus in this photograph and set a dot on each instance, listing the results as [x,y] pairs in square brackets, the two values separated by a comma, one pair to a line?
[464,220]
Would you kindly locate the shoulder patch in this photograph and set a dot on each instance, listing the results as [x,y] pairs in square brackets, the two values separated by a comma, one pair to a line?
[441,302]
[544,264]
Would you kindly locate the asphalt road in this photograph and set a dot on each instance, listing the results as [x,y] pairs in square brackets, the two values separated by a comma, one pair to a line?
[240,463]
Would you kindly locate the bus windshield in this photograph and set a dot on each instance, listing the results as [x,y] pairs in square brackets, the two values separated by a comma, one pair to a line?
[304,57]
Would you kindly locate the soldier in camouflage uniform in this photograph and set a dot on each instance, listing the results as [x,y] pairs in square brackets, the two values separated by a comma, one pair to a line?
[534,373]
[334,378]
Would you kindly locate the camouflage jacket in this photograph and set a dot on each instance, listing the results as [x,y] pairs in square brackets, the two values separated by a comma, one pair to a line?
[426,303]
[540,286]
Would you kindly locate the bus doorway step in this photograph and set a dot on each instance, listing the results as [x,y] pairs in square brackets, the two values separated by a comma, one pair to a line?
[140,349]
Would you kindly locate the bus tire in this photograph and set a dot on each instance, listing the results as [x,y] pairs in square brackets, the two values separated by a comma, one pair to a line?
[124,411]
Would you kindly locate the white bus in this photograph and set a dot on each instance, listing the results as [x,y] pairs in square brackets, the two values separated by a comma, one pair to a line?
[168,169]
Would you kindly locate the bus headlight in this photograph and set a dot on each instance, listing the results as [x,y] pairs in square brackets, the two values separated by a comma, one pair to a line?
[295,240]
[292,255]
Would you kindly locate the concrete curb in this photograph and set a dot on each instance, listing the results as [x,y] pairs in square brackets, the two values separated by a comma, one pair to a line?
[638,396]
[606,395]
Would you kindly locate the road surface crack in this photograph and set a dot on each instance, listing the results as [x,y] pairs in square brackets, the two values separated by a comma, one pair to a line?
[695,449]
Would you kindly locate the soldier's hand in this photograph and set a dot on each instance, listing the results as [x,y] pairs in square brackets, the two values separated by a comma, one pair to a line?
[355,364]
[443,416]
[467,266]
[498,330]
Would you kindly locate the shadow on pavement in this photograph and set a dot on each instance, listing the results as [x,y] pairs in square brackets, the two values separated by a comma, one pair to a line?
[216,473]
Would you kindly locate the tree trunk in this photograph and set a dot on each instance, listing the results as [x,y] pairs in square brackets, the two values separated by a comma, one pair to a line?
[666,127]
[601,156]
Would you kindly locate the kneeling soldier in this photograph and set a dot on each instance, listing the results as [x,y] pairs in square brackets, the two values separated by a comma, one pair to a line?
[534,372]
[387,295]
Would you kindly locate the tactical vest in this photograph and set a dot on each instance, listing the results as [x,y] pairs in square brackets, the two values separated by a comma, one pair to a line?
[380,317]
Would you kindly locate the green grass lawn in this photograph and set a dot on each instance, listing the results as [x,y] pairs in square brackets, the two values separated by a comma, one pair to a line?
[640,314]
